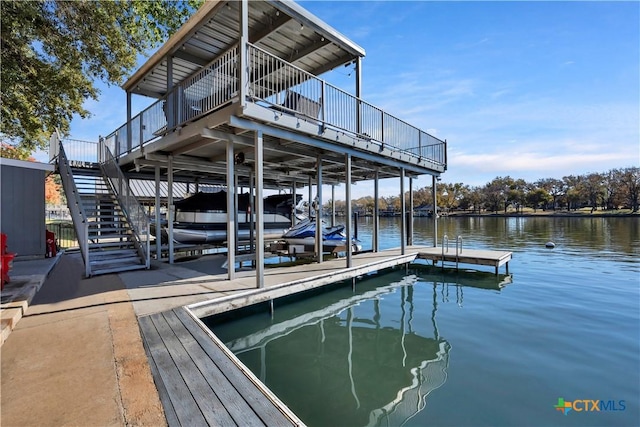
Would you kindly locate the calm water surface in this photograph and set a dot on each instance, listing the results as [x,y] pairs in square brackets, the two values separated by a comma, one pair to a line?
[422,346]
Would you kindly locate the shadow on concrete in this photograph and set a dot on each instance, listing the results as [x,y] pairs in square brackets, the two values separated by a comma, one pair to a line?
[65,283]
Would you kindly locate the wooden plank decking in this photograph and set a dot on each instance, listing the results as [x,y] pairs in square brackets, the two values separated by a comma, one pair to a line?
[468,256]
[199,381]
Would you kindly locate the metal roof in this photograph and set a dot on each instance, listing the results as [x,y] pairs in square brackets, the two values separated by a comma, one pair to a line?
[283,28]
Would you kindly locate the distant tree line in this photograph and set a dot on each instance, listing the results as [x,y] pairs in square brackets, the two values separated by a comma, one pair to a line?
[611,190]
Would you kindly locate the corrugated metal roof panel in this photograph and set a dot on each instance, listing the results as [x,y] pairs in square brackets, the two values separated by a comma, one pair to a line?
[282,28]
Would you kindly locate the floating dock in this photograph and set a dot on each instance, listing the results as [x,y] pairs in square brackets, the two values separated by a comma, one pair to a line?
[201,382]
[467,256]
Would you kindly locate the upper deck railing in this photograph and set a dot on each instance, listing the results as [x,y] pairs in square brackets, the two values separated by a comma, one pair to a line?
[280,85]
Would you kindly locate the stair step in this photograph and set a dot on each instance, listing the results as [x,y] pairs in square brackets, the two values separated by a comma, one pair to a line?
[102,214]
[93,223]
[117,269]
[97,238]
[104,245]
[112,262]
[107,230]
[114,253]
[103,203]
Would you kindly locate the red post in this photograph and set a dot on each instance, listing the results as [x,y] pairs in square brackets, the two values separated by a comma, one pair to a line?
[7,260]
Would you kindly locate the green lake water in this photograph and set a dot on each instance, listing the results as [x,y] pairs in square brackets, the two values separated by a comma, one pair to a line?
[422,346]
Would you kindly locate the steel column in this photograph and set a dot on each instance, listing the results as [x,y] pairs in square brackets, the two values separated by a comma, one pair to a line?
[243,66]
[293,210]
[319,209]
[410,214]
[376,213]
[435,211]
[333,205]
[158,218]
[231,213]
[347,190]
[170,207]
[403,218]
[259,209]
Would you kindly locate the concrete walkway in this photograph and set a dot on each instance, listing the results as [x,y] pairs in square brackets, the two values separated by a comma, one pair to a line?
[76,356]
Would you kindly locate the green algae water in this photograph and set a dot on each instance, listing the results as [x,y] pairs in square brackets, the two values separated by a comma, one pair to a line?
[556,342]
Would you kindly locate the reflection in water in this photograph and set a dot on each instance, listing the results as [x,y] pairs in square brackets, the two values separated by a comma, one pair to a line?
[370,358]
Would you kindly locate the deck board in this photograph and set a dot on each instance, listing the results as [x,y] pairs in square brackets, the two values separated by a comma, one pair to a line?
[264,408]
[468,256]
[237,409]
[197,381]
[187,411]
[213,411]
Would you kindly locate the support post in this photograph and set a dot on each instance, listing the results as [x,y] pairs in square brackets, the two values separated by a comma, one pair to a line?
[310,194]
[170,103]
[435,211]
[252,213]
[319,209]
[294,204]
[170,207]
[231,213]
[243,66]
[158,218]
[129,131]
[376,213]
[347,190]
[410,214]
[259,208]
[333,205]
[358,94]
[403,217]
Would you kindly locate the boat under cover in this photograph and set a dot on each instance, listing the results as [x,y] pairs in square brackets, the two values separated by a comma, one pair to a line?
[202,218]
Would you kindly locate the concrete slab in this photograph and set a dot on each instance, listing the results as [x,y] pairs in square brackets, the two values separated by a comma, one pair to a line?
[76,357]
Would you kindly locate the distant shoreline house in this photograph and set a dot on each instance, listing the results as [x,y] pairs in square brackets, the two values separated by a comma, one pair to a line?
[424,210]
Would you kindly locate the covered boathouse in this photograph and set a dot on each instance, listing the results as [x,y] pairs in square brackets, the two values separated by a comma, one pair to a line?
[238,100]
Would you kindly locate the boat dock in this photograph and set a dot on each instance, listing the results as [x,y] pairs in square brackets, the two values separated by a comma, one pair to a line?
[468,256]
[201,382]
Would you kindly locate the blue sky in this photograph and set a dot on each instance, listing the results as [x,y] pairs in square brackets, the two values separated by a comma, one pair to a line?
[526,89]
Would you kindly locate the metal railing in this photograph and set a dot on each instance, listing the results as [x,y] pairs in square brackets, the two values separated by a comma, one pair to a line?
[133,211]
[65,234]
[275,83]
[78,152]
[206,90]
[285,86]
[75,206]
[445,248]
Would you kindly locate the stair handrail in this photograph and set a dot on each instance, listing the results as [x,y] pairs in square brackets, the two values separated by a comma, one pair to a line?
[133,211]
[458,249]
[80,222]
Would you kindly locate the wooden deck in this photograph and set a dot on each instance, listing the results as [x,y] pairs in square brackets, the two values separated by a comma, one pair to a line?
[468,256]
[200,382]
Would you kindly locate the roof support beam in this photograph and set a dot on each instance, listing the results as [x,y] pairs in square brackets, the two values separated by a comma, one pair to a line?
[273,26]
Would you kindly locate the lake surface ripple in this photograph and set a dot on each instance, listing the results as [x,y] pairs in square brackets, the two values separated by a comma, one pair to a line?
[426,346]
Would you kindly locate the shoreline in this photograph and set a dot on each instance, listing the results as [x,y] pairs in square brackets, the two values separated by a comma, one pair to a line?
[545,215]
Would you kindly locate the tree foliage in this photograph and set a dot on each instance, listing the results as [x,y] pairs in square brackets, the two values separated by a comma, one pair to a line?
[614,189]
[53,51]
